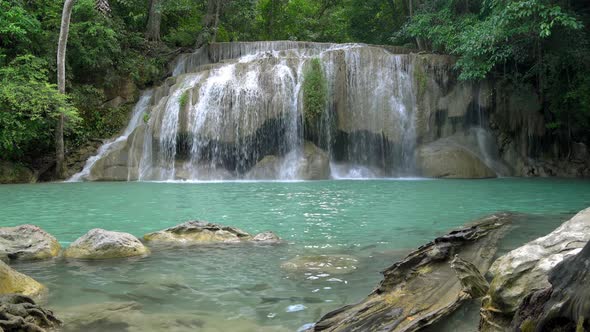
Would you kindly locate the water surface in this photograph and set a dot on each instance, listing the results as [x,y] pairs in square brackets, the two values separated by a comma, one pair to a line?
[243,288]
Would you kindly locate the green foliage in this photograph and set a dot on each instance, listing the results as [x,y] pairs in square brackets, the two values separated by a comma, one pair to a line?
[314,91]
[183,100]
[29,106]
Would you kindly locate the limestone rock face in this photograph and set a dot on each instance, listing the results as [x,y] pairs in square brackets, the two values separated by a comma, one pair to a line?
[565,305]
[27,242]
[21,313]
[443,160]
[14,282]
[266,169]
[331,264]
[14,173]
[198,232]
[525,269]
[102,244]
[315,164]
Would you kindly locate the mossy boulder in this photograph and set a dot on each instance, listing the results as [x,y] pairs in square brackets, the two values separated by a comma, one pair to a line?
[102,244]
[202,232]
[27,242]
[15,173]
[14,282]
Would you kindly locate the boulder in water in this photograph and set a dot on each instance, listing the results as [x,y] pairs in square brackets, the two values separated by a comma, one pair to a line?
[565,304]
[102,244]
[267,237]
[21,313]
[27,242]
[330,264]
[15,173]
[198,232]
[423,287]
[525,269]
[442,160]
[13,282]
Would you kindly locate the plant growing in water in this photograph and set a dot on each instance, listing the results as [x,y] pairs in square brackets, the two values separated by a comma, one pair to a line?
[314,91]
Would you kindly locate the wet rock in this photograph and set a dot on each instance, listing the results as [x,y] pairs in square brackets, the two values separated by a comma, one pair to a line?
[525,269]
[198,232]
[21,313]
[565,304]
[27,242]
[14,282]
[422,288]
[474,284]
[266,169]
[266,238]
[315,164]
[443,160]
[330,264]
[15,173]
[102,244]
[309,163]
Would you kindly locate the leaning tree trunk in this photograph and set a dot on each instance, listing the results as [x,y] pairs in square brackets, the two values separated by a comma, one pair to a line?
[154,20]
[60,168]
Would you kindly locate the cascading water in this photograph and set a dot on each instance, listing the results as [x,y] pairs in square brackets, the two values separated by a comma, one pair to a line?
[236,111]
[136,118]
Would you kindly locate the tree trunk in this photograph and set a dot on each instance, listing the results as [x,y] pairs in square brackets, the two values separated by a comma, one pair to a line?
[208,22]
[154,20]
[60,168]
[216,23]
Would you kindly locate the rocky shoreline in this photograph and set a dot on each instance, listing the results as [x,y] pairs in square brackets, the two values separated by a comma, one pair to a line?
[540,286]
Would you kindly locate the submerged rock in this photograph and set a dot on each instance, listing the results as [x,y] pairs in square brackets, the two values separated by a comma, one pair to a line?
[563,306]
[21,313]
[102,244]
[267,237]
[330,264]
[422,288]
[27,242]
[131,317]
[202,232]
[525,269]
[14,282]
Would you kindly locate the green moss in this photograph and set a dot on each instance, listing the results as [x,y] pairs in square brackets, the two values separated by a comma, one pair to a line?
[146,117]
[421,81]
[528,326]
[580,326]
[315,92]
[183,99]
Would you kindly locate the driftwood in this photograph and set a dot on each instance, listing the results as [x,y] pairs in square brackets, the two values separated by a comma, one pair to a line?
[423,288]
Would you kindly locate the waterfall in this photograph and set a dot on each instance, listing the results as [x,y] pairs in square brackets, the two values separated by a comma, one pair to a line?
[236,111]
[136,118]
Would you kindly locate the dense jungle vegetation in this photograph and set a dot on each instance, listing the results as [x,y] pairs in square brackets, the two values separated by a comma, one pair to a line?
[117,47]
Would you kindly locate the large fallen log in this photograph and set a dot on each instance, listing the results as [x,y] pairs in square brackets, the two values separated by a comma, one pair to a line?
[423,287]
